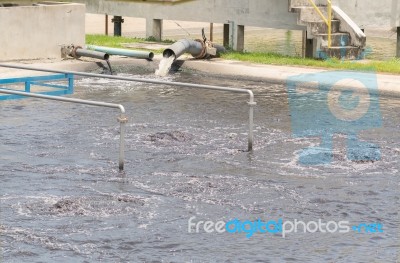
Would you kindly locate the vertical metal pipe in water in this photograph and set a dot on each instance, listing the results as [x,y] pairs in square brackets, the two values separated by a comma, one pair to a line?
[122,120]
[251,135]
[251,103]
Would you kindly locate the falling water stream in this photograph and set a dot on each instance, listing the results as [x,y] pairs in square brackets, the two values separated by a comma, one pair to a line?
[109,66]
[165,66]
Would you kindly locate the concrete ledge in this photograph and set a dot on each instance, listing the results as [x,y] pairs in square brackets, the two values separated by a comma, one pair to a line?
[388,85]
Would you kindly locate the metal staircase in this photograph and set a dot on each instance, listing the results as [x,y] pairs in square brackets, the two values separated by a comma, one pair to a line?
[333,33]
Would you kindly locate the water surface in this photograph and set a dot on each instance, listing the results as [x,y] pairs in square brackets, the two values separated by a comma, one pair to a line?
[63,199]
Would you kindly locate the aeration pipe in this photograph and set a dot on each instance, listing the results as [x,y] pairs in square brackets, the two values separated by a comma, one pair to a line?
[122,52]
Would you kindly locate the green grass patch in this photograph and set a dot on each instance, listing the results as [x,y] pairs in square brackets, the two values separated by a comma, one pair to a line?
[118,42]
[111,41]
[387,66]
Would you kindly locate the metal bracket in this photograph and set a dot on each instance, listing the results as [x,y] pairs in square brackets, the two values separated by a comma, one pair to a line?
[69,50]
[66,51]
[122,119]
[211,51]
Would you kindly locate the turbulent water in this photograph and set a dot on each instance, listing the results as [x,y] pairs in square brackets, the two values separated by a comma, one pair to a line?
[64,200]
[165,66]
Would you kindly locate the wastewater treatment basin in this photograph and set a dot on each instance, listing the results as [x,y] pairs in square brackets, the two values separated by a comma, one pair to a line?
[63,198]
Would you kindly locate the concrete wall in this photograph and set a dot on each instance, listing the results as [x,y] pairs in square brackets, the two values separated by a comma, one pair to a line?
[263,13]
[382,13]
[34,32]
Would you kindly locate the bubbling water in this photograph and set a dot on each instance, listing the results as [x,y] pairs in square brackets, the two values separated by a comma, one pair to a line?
[165,66]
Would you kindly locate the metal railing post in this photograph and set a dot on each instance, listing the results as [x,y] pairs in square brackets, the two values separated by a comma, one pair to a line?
[70,83]
[251,103]
[27,86]
[122,122]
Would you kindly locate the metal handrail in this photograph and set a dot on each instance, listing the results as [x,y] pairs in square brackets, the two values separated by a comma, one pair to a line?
[56,89]
[122,119]
[328,21]
[251,101]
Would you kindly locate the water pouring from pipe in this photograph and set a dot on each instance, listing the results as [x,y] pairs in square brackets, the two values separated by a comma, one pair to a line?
[165,65]
[198,48]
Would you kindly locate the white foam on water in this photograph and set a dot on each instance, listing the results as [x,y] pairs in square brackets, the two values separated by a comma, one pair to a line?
[165,66]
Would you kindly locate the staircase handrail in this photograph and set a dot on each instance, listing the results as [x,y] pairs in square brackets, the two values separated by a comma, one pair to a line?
[327,20]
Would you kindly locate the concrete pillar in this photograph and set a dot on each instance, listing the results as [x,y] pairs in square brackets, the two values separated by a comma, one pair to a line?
[398,43]
[117,20]
[303,43]
[239,43]
[154,28]
[309,46]
[234,36]
[226,35]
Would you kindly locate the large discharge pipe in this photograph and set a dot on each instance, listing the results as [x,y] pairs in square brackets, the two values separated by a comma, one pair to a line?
[197,49]
[184,46]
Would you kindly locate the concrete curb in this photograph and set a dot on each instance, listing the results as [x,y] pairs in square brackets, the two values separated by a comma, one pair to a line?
[388,85]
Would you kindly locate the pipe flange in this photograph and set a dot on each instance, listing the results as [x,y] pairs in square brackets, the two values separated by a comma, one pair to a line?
[73,52]
[203,52]
[211,51]
[207,46]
